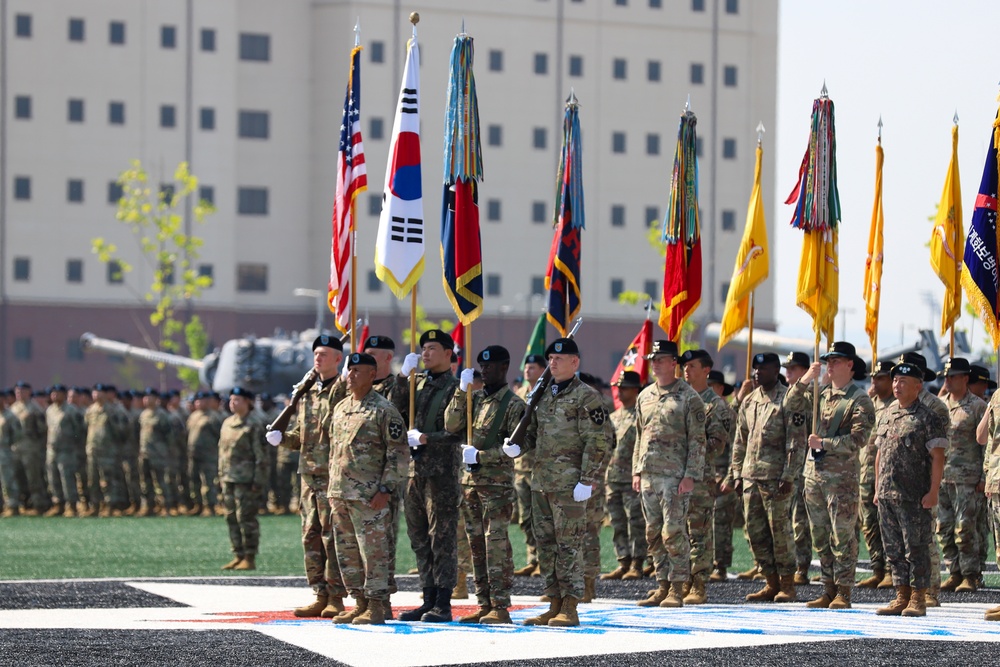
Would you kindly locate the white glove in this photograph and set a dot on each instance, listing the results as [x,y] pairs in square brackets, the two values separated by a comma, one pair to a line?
[413,437]
[273,438]
[510,449]
[410,363]
[345,369]
[470,455]
[582,492]
[466,378]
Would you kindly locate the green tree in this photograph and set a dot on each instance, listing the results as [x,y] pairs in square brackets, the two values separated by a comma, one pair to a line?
[426,324]
[155,217]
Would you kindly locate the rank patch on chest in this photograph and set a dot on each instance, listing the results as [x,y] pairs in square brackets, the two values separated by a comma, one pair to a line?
[395,430]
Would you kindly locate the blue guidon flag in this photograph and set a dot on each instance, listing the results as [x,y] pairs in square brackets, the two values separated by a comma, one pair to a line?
[979,271]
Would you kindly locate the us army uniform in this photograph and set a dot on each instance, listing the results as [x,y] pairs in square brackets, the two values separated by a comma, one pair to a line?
[130,456]
[941,410]
[866,506]
[29,451]
[203,429]
[991,472]
[726,505]
[177,473]
[106,427]
[701,506]
[62,452]
[522,488]
[624,503]
[243,471]
[596,512]
[154,453]
[10,433]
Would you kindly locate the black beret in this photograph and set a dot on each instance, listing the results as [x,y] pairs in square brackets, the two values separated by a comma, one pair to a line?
[216,395]
[40,392]
[264,396]
[663,347]
[562,346]
[240,391]
[325,340]
[535,359]
[494,353]
[701,355]
[61,388]
[22,384]
[437,336]
[361,359]
[151,391]
[379,343]
[762,358]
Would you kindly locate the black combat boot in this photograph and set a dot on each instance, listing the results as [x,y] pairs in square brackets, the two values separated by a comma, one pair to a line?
[415,614]
[441,612]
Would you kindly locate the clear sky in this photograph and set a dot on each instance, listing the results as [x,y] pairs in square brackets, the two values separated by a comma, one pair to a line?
[914,62]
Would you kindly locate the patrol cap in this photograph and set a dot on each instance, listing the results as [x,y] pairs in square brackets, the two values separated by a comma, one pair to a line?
[628,380]
[240,391]
[497,354]
[663,348]
[535,359]
[882,368]
[57,388]
[908,370]
[379,343]
[701,355]
[361,359]
[981,374]
[325,340]
[796,359]
[917,359]
[22,384]
[437,336]
[762,358]
[562,346]
[716,377]
[957,366]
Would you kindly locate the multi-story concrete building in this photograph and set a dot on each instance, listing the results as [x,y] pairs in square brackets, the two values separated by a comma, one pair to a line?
[250,93]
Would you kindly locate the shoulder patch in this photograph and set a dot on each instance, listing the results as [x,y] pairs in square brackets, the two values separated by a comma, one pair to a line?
[870,416]
[396,429]
[599,415]
[699,416]
[798,419]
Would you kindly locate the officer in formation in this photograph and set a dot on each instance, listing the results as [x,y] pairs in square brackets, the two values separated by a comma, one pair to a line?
[10,434]
[727,501]
[107,425]
[988,435]
[204,426]
[882,397]
[243,471]
[534,366]
[795,365]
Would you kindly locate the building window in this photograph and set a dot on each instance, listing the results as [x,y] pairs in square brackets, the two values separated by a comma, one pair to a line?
[255,47]
[22,349]
[723,292]
[492,284]
[74,270]
[251,201]
[22,188]
[206,193]
[621,3]
[116,276]
[697,5]
[74,351]
[494,135]
[167,192]
[76,30]
[576,65]
[22,25]
[168,115]
[207,271]
[115,192]
[653,70]
[619,69]
[649,287]
[116,32]
[655,4]
[22,269]
[540,137]
[207,39]
[617,142]
[22,107]
[168,273]
[74,111]
[375,205]
[537,285]
[697,73]
[541,63]
[652,213]
[617,287]
[729,149]
[253,124]
[732,6]
[617,215]
[116,113]
[728,220]
[376,51]
[729,76]
[496,60]
[652,144]
[374,284]
[493,210]
[538,211]
[168,37]
[699,147]
[376,128]
[74,190]
[206,118]
[251,277]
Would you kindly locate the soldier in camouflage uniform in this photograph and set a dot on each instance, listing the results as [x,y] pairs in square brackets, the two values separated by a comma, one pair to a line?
[768,453]
[203,428]
[795,365]
[243,472]
[106,426]
[570,434]
[61,452]
[910,440]
[881,395]
[432,491]
[77,402]
[596,508]
[29,451]
[154,454]
[310,436]
[488,480]
[534,366]
[833,469]
[624,502]
[961,496]
[177,477]
[719,425]
[129,450]
[669,459]
[988,435]
[979,384]
[10,434]
[727,503]
[267,411]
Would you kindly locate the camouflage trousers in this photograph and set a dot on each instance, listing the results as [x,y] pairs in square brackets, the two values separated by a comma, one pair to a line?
[487,511]
[177,478]
[8,477]
[627,521]
[462,547]
[769,527]
[202,475]
[701,526]
[154,485]
[832,504]
[319,550]
[984,527]
[906,536]
[107,483]
[667,539]
[287,475]
[62,469]
[596,511]
[959,509]
[362,545]
[801,528]
[30,470]
[726,507]
[431,509]
[392,534]
[560,523]
[868,515]
[522,487]
[993,509]
[242,502]
[132,472]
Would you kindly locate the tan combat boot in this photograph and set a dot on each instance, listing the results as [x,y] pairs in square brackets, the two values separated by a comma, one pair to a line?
[675,597]
[931,599]
[748,574]
[555,604]
[55,510]
[497,616]
[718,575]
[823,601]
[233,563]
[878,574]
[786,589]
[315,609]
[566,618]
[11,512]
[969,584]
[768,593]
[635,571]
[887,582]
[334,606]
[801,577]
[953,580]
[525,571]
[697,593]
[373,615]
[656,596]
[993,614]
[649,570]
[843,599]
[461,590]
[360,607]
[249,562]
[70,511]
[476,616]
[896,607]
[624,564]
[589,589]
[918,603]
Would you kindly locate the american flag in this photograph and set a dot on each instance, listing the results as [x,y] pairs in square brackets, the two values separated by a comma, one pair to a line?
[351,179]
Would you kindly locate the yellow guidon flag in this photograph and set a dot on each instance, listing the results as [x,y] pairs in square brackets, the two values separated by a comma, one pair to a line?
[873,265]
[752,262]
[948,240]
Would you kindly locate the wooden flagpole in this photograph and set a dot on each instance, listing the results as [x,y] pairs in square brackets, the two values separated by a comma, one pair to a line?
[750,338]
